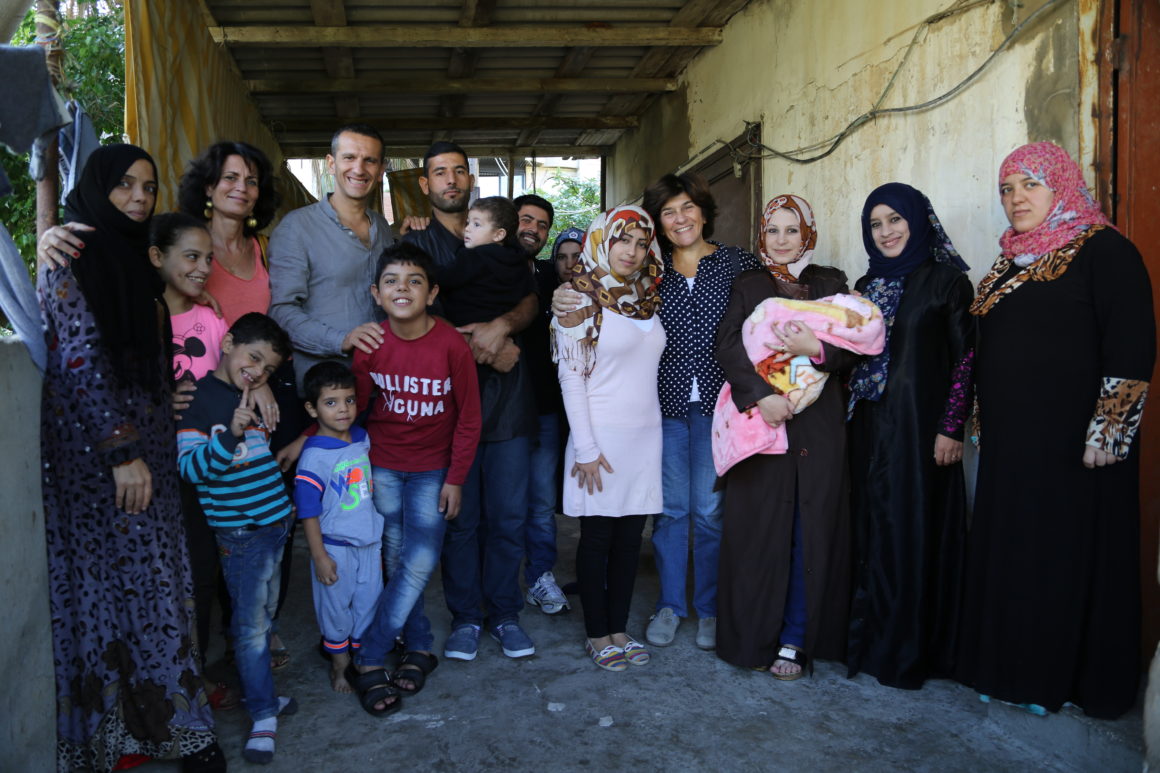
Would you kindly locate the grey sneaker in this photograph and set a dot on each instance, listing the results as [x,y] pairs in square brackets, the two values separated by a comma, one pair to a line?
[707,633]
[546,595]
[463,643]
[662,628]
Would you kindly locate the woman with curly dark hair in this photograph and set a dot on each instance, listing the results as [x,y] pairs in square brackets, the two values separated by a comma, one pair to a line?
[231,185]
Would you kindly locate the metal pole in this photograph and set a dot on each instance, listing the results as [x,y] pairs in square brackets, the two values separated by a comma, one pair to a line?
[48,189]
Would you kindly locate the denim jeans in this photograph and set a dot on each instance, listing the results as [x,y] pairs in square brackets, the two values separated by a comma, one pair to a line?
[793,627]
[413,536]
[251,561]
[540,533]
[687,479]
[484,547]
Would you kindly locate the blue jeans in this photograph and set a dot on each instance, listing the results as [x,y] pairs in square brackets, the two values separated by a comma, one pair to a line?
[413,535]
[251,560]
[540,533]
[687,479]
[484,546]
[793,626]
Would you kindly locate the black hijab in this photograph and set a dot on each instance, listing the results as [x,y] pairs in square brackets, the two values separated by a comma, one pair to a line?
[120,286]
[927,237]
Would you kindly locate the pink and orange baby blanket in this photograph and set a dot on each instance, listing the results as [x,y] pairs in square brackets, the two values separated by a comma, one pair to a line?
[846,321]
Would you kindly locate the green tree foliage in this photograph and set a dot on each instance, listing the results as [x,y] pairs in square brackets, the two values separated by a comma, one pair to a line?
[577,203]
[94,75]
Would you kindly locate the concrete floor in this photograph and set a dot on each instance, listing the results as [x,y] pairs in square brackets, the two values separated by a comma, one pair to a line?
[685,711]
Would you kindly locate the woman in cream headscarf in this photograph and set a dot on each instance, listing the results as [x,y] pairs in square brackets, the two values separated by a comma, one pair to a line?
[608,350]
[783,588]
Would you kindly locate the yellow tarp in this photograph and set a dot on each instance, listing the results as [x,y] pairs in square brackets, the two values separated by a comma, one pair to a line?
[182,94]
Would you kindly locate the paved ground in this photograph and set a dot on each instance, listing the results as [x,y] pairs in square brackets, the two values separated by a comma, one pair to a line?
[685,711]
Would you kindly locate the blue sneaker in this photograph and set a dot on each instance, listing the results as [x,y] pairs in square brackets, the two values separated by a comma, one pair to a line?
[463,643]
[515,643]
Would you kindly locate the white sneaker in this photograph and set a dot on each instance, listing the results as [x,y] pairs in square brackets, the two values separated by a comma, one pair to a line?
[707,633]
[546,595]
[662,628]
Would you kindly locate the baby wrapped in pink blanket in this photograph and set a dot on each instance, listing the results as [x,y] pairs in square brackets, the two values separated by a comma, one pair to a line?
[845,321]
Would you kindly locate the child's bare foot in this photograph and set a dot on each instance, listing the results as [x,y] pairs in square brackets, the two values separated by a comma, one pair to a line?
[338,663]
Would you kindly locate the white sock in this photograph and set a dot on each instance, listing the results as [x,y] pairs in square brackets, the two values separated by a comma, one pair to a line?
[260,745]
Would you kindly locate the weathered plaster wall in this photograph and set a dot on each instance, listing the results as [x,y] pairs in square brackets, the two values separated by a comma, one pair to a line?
[27,702]
[659,144]
[805,70]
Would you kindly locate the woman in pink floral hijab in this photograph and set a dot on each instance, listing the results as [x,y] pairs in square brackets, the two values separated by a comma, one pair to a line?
[1067,342]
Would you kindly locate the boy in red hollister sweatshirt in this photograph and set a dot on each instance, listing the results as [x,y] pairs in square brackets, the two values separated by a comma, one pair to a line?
[424,425]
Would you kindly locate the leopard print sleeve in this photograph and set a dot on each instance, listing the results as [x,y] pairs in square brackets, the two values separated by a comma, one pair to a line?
[1117,415]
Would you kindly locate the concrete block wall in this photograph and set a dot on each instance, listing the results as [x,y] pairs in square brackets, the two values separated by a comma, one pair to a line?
[27,702]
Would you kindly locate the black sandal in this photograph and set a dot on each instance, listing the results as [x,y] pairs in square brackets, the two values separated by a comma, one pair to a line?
[209,759]
[790,654]
[374,687]
[414,667]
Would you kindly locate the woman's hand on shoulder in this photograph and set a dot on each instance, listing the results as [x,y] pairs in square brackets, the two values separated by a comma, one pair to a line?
[183,396]
[775,409]
[263,398]
[1097,457]
[565,299]
[205,299]
[288,455]
[59,244]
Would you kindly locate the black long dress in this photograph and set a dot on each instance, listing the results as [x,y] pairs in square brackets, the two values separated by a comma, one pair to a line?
[1052,607]
[757,525]
[909,514]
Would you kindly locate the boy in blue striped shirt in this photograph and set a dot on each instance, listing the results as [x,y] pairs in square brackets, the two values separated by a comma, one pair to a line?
[223,450]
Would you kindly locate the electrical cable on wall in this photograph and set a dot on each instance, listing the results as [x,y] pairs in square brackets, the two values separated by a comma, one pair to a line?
[755,148]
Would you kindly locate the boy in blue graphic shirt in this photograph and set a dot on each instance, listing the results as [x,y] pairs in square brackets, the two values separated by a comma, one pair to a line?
[223,450]
[332,491]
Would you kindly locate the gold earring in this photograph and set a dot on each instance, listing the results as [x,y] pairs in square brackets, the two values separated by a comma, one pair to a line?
[251,222]
[208,209]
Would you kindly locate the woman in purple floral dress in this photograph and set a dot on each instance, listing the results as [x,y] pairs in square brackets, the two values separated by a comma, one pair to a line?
[908,407]
[127,678]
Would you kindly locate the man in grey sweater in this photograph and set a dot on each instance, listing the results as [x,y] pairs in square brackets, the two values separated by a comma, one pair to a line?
[323,256]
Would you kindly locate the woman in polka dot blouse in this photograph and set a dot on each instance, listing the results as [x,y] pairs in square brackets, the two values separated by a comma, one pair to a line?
[694,291]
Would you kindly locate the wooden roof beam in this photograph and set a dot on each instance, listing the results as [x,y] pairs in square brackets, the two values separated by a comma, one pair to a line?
[574,62]
[476,13]
[337,59]
[461,64]
[319,149]
[462,86]
[436,36]
[327,125]
[328,13]
[670,62]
